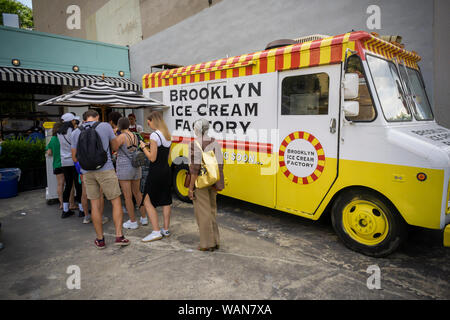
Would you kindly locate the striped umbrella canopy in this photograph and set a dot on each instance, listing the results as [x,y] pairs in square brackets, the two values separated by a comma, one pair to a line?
[103,94]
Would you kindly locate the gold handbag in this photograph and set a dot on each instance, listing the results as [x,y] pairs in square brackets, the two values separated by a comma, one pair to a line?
[209,170]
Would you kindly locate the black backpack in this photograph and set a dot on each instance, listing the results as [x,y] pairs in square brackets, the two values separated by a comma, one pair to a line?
[90,152]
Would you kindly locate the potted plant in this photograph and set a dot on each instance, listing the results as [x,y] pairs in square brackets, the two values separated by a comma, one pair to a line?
[29,157]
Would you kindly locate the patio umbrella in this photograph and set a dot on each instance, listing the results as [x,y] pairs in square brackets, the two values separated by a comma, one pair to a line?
[103,94]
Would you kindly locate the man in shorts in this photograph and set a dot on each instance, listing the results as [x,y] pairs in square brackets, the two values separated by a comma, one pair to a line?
[104,179]
[84,199]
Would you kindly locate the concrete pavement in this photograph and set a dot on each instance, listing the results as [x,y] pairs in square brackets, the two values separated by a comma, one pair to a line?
[265,254]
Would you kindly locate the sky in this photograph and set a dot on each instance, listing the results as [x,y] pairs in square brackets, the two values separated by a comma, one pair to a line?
[26,2]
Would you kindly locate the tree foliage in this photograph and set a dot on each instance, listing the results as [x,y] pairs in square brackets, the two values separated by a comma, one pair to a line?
[15,7]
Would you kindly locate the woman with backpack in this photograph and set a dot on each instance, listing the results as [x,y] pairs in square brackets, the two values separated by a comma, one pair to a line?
[204,199]
[129,176]
[157,191]
[67,164]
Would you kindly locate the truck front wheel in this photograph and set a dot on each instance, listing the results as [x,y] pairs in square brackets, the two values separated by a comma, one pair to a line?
[368,223]
[179,176]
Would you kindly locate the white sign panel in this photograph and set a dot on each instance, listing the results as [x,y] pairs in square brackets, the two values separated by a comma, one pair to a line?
[239,107]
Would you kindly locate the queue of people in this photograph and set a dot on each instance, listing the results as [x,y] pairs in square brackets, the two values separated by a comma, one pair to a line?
[116,175]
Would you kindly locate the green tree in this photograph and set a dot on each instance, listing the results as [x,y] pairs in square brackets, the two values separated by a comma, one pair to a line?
[15,7]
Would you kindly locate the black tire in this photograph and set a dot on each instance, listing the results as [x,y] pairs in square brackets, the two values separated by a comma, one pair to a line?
[359,199]
[180,170]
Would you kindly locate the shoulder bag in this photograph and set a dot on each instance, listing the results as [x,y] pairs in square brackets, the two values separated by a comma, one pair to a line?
[209,170]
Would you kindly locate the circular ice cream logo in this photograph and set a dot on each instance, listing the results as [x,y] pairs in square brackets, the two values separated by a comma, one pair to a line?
[302,158]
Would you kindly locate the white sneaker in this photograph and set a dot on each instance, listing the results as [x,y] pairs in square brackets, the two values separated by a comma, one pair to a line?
[144,221]
[87,219]
[155,235]
[165,233]
[130,225]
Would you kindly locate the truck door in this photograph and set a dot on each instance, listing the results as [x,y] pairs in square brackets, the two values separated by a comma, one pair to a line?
[308,117]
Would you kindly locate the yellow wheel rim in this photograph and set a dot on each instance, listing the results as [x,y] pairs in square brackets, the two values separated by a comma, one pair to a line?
[181,177]
[365,222]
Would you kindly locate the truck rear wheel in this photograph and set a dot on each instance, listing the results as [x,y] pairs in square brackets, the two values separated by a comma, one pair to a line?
[179,176]
[368,223]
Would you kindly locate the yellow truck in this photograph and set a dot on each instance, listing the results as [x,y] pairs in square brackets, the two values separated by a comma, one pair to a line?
[340,124]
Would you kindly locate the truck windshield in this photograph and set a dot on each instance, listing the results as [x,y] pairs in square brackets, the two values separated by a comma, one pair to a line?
[389,88]
[416,92]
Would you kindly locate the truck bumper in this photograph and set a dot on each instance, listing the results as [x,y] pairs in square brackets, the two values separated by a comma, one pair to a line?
[447,236]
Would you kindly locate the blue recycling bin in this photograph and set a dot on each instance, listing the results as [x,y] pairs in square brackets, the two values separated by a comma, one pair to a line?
[9,178]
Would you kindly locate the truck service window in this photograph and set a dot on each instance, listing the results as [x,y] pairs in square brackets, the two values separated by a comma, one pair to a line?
[305,94]
[366,110]
[389,89]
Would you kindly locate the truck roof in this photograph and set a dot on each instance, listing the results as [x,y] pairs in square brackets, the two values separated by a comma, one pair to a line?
[324,51]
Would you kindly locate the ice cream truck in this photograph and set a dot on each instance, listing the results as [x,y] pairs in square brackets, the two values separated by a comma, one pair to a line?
[339,124]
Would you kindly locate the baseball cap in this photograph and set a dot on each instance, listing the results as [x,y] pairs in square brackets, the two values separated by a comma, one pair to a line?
[69,117]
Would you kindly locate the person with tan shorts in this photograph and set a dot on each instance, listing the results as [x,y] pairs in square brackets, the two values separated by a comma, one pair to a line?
[102,180]
[205,207]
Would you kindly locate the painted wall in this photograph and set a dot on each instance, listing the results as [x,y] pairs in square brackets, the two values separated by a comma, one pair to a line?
[117,22]
[44,51]
[122,22]
[158,15]
[441,62]
[51,16]
[233,27]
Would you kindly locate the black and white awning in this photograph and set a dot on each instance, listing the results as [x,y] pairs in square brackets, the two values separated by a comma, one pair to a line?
[105,94]
[14,74]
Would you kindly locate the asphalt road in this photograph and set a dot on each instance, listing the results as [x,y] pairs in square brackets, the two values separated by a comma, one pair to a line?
[265,254]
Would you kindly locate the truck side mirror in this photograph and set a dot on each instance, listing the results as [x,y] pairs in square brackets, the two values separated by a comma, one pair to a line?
[351,86]
[351,108]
